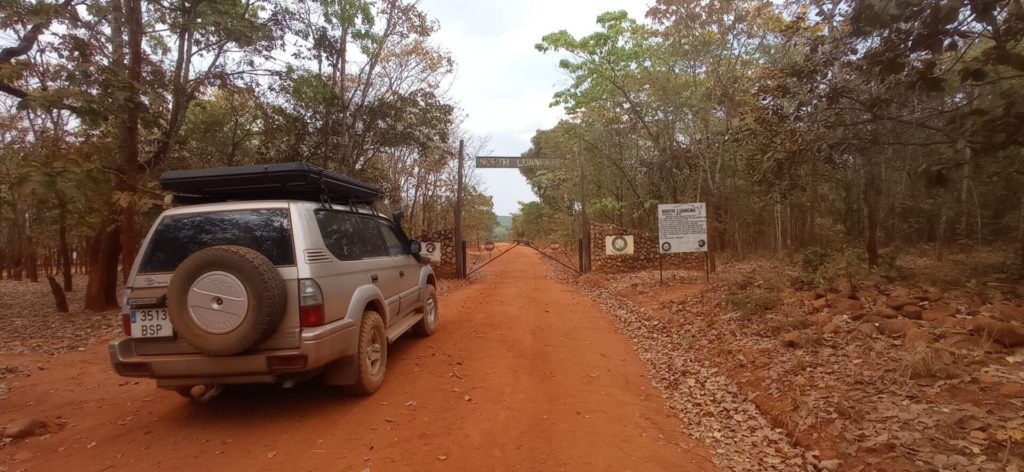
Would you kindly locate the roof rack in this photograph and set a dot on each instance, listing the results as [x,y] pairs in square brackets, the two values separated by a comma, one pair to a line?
[289,181]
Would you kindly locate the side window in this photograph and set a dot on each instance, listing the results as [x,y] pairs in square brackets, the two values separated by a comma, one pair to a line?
[348,236]
[339,230]
[395,246]
[369,234]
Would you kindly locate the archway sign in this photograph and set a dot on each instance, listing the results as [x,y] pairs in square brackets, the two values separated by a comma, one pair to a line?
[500,162]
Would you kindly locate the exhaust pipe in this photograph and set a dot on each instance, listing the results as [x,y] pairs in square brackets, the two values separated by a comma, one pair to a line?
[204,393]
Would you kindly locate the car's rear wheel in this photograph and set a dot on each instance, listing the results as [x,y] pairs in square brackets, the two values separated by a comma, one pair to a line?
[428,324]
[371,354]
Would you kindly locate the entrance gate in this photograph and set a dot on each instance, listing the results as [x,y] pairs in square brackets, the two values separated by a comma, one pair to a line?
[471,269]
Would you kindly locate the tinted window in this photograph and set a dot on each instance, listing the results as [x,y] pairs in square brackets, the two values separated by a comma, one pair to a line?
[177,237]
[349,236]
[394,243]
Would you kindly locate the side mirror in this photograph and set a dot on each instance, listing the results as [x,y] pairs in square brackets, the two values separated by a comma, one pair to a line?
[415,247]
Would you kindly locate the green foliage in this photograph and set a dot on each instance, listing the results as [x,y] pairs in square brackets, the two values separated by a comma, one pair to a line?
[754,300]
[529,223]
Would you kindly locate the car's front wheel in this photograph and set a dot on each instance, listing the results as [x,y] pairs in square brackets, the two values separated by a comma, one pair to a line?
[371,354]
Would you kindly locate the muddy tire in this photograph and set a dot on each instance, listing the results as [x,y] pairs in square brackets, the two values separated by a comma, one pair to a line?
[226,299]
[428,324]
[371,355]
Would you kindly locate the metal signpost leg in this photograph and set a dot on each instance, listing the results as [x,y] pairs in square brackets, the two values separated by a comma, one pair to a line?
[707,269]
[661,269]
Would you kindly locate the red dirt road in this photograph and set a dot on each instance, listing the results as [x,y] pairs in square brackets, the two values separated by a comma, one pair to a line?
[550,385]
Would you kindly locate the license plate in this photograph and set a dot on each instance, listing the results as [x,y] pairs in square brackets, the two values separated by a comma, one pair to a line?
[151,323]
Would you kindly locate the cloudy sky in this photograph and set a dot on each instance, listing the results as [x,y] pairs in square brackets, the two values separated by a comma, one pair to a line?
[503,84]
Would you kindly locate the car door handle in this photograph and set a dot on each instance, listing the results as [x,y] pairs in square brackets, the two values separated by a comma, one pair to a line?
[374,278]
[401,273]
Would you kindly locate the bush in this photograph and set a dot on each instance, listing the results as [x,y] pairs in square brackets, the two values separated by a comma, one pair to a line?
[821,266]
[754,300]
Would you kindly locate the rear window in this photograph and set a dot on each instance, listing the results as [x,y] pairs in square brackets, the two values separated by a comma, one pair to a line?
[268,232]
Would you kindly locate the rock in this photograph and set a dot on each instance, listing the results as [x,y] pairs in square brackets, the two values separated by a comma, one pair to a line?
[885,312]
[820,304]
[872,319]
[934,295]
[832,327]
[845,305]
[1004,333]
[987,378]
[897,327]
[831,464]
[1005,312]
[899,302]
[937,312]
[1013,390]
[912,312]
[819,319]
[23,428]
[868,329]
[916,337]
[866,295]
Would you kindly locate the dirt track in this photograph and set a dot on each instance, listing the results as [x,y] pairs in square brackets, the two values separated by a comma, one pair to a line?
[524,374]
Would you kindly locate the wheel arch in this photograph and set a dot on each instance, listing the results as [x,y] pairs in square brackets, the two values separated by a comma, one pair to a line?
[364,298]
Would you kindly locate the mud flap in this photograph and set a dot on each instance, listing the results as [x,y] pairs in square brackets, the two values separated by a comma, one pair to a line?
[342,371]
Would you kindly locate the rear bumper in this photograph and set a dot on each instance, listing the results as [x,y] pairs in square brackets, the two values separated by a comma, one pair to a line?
[318,347]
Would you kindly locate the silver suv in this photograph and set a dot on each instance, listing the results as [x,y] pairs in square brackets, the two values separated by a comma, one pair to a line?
[271,291]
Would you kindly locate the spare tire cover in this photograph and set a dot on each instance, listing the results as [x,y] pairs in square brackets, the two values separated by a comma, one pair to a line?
[225,299]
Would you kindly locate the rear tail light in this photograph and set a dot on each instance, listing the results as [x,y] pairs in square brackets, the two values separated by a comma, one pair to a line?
[311,304]
[126,323]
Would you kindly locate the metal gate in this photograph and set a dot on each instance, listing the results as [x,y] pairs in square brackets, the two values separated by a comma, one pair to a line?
[471,269]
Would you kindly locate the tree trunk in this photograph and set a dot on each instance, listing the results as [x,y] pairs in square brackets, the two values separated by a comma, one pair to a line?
[778,229]
[60,300]
[1020,234]
[63,252]
[129,136]
[869,195]
[101,291]
[31,260]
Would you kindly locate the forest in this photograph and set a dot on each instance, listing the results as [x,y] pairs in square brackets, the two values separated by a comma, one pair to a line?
[876,125]
[97,98]
[864,127]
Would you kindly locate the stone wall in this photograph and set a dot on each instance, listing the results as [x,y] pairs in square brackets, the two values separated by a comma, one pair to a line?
[445,267]
[645,254]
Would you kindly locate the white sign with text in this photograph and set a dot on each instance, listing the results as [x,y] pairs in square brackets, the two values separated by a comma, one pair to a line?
[682,227]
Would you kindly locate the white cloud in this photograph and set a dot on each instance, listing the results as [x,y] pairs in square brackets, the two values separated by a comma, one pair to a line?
[503,83]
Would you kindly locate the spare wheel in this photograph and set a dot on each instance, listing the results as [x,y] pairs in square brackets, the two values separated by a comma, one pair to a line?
[225,299]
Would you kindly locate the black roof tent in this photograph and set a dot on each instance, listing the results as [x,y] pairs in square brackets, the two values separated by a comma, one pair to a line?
[289,181]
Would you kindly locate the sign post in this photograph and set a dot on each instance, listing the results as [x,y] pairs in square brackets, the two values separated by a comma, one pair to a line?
[683,227]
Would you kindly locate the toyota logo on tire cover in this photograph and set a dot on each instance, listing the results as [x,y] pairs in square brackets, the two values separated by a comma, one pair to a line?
[431,247]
